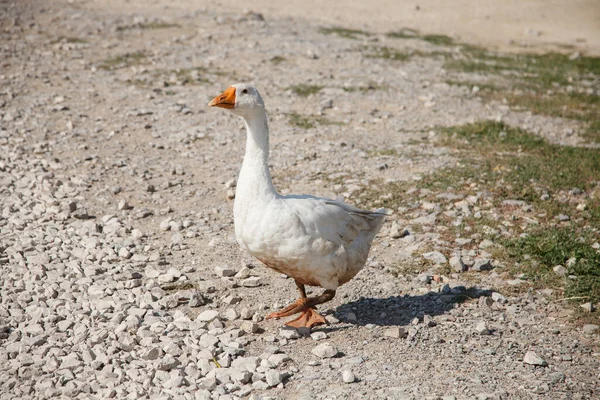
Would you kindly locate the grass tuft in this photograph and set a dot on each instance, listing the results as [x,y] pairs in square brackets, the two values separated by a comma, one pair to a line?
[344,32]
[123,60]
[310,121]
[305,90]
[547,248]
[439,40]
[277,60]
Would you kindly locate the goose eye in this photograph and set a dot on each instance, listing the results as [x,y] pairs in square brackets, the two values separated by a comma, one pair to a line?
[245,91]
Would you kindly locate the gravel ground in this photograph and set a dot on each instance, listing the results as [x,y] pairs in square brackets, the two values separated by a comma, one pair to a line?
[121,277]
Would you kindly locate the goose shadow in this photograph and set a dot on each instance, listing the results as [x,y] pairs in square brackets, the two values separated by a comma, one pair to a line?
[401,310]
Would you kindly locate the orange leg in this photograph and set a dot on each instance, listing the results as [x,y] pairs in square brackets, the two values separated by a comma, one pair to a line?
[305,305]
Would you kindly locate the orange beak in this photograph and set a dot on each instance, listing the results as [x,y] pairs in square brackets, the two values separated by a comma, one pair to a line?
[224,100]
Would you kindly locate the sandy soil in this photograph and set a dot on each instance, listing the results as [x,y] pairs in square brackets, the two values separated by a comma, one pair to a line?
[510,25]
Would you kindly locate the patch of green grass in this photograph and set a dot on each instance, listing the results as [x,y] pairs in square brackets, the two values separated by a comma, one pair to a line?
[301,121]
[305,90]
[363,89]
[439,40]
[157,25]
[344,32]
[538,71]
[123,60]
[553,246]
[277,60]
[523,158]
[407,33]
[404,33]
[178,286]
[571,105]
[592,131]
[310,121]
[578,106]
[509,163]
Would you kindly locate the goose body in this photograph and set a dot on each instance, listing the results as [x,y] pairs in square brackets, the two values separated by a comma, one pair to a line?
[315,241]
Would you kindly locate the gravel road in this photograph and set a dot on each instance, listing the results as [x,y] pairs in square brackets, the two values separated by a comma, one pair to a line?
[121,277]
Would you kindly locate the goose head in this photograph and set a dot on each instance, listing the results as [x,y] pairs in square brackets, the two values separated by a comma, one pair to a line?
[242,99]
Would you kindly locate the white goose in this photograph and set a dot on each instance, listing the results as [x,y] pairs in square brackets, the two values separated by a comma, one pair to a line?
[315,241]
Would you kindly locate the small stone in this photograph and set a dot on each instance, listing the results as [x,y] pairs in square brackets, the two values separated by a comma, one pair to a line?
[588,307]
[394,332]
[485,244]
[436,257]
[563,217]
[174,382]
[326,103]
[246,313]
[482,328]
[348,376]
[208,315]
[273,377]
[230,194]
[231,183]
[590,329]
[231,300]
[428,320]
[485,302]
[457,264]
[231,314]
[318,335]
[70,361]
[124,253]
[177,238]
[223,270]
[424,278]
[152,353]
[560,270]
[497,297]
[253,281]
[165,225]
[196,299]
[289,333]
[241,376]
[396,232]
[124,205]
[167,363]
[249,327]
[260,385]
[324,350]
[533,359]
[481,265]
[243,273]
[278,359]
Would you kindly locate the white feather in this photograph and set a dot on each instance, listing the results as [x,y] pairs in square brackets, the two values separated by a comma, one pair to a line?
[316,241]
